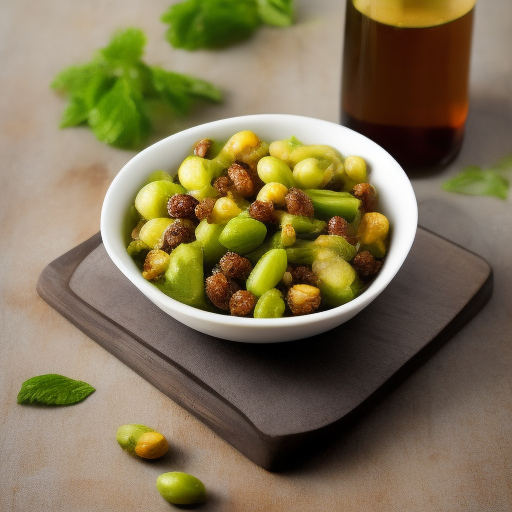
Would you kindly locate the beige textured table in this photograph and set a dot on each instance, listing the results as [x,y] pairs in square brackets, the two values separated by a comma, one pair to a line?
[441,442]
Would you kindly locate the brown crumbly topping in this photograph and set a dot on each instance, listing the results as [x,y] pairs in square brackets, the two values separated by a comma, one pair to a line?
[181,231]
[182,206]
[201,148]
[366,265]
[302,275]
[223,185]
[245,180]
[242,303]
[220,289]
[339,226]
[235,266]
[262,211]
[299,203]
[204,208]
[367,194]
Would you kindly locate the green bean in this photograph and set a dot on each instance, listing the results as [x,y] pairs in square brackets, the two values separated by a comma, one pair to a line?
[305,252]
[181,488]
[243,234]
[267,272]
[152,231]
[208,236]
[270,305]
[184,279]
[312,173]
[303,226]
[328,203]
[151,200]
[337,280]
[271,169]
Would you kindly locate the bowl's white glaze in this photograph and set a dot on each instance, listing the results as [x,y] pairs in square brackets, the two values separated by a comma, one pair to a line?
[396,196]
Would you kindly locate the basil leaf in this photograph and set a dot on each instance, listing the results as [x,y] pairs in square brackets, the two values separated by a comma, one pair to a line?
[53,389]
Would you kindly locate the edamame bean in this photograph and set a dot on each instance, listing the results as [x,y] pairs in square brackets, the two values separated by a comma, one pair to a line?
[270,305]
[152,231]
[181,488]
[151,200]
[267,272]
[271,169]
[243,234]
[142,441]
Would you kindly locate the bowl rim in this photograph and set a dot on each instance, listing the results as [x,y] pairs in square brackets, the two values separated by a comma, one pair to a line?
[108,232]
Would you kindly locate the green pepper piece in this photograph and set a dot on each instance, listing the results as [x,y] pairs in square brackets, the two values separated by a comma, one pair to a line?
[328,203]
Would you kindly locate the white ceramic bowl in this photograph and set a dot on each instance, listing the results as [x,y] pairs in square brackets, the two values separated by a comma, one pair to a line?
[397,202]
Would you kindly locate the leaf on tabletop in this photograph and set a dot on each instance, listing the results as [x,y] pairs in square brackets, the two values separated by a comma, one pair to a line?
[476,181]
[214,24]
[115,93]
[53,389]
[276,12]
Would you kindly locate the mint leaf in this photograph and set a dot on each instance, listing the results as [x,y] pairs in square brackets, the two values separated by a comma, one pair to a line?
[214,24]
[180,90]
[53,389]
[482,182]
[119,96]
[276,12]
[119,119]
[126,46]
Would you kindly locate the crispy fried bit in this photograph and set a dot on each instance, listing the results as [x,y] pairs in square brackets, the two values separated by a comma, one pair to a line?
[220,289]
[201,148]
[367,194]
[182,206]
[303,299]
[302,275]
[339,226]
[262,211]
[155,264]
[181,231]
[245,180]
[242,303]
[299,203]
[366,265]
[204,208]
[235,266]
[223,185]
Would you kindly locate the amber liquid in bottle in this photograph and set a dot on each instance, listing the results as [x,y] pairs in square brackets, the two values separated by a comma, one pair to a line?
[406,88]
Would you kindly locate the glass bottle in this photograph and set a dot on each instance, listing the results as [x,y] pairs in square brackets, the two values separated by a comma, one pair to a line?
[406,74]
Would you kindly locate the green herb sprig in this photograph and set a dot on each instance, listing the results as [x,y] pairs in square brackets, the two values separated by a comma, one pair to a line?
[115,93]
[475,181]
[214,24]
[53,389]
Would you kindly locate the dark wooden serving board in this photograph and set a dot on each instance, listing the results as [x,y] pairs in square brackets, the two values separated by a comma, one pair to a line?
[276,403]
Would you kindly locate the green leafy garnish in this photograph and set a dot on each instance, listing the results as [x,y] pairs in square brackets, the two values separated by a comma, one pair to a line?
[214,24]
[53,389]
[116,92]
[476,181]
